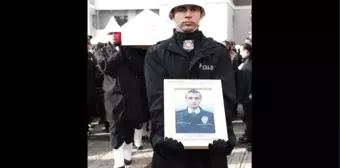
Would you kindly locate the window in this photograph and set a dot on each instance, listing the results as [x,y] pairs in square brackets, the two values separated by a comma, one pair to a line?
[90,2]
[242,2]
[94,21]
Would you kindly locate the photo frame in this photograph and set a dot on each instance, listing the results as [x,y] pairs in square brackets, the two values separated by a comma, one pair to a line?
[194,112]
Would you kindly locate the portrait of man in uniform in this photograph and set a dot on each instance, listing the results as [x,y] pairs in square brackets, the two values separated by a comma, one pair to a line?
[194,119]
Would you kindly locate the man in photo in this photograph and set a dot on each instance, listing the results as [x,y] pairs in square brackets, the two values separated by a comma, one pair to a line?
[194,119]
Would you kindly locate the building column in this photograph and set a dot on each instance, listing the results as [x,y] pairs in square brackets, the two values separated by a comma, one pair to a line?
[89,19]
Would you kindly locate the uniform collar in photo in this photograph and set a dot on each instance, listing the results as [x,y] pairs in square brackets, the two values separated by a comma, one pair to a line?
[196,111]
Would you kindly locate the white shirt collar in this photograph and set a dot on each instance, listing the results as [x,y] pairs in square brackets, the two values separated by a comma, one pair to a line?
[196,111]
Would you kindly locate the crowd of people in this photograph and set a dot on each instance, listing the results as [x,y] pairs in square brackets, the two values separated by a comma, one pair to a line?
[125,90]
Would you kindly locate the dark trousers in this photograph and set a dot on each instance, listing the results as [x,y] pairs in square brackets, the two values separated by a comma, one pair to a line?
[248,115]
[95,104]
[122,132]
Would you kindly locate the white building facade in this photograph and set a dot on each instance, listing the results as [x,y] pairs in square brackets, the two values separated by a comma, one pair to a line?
[224,20]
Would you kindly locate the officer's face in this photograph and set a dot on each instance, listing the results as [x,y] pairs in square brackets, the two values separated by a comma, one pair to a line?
[227,46]
[193,100]
[243,52]
[187,17]
[233,46]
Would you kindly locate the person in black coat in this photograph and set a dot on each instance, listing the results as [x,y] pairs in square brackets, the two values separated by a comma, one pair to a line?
[91,91]
[188,54]
[136,55]
[99,97]
[122,68]
[235,60]
[244,93]
[90,75]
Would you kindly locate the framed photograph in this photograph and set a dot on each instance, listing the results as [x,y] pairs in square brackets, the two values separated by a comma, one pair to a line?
[194,112]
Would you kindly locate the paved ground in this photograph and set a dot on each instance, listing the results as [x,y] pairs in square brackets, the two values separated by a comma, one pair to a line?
[100,155]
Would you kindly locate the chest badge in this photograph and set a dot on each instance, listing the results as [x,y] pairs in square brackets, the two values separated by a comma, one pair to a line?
[204,119]
[188,45]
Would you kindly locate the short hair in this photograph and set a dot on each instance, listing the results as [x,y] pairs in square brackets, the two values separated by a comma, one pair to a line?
[248,47]
[193,91]
[89,38]
[226,42]
[248,40]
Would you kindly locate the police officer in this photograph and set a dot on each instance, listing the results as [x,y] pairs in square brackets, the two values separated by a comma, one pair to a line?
[236,61]
[244,92]
[194,119]
[188,54]
[121,67]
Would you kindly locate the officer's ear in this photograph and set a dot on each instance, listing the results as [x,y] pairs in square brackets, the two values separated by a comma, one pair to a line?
[172,17]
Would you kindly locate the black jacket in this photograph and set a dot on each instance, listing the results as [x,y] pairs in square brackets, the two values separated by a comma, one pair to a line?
[244,82]
[167,60]
[122,83]
[236,62]
[91,70]
[193,123]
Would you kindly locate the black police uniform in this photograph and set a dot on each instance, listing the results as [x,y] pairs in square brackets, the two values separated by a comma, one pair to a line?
[244,77]
[202,122]
[168,60]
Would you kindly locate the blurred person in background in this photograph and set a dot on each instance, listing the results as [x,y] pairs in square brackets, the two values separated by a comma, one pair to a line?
[235,60]
[90,84]
[248,41]
[244,92]
[122,67]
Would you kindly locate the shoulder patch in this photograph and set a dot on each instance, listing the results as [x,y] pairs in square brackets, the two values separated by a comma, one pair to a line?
[215,43]
[160,41]
[219,44]
[158,45]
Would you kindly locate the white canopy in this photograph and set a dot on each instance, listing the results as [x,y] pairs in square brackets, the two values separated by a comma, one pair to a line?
[147,28]
[112,26]
[100,37]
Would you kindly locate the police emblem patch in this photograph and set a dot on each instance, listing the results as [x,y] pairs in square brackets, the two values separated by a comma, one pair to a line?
[188,45]
[204,119]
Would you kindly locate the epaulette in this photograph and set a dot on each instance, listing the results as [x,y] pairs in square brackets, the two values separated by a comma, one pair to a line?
[215,43]
[219,44]
[156,46]
[160,41]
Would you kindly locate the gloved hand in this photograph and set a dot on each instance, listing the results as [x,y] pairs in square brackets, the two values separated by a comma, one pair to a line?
[169,147]
[221,148]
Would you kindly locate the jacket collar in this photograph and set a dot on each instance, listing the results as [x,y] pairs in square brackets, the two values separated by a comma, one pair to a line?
[206,44]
